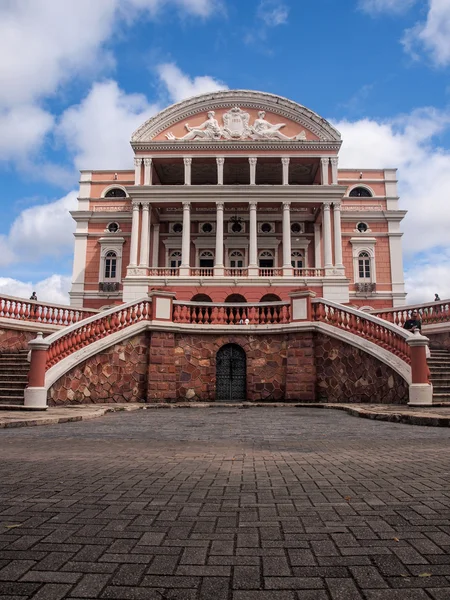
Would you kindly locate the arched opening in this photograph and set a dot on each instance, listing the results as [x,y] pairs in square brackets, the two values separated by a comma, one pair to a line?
[364,265]
[236,259]
[266,260]
[360,192]
[175,259]
[110,265]
[235,298]
[231,371]
[270,298]
[115,193]
[206,259]
[201,298]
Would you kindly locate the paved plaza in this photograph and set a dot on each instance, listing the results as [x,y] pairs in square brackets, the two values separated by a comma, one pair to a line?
[225,504]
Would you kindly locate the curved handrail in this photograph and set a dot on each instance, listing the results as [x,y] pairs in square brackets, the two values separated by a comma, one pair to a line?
[375,329]
[430,313]
[21,309]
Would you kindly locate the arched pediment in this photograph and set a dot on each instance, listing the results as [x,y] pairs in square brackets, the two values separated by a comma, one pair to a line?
[235,114]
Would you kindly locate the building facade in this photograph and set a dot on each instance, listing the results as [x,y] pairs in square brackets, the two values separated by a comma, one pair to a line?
[238,196]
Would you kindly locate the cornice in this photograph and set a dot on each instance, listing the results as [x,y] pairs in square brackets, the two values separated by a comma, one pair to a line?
[225,145]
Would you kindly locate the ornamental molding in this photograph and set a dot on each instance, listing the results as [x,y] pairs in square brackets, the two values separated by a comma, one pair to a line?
[235,99]
[226,145]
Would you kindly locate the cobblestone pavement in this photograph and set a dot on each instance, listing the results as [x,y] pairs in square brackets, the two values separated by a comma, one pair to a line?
[225,504]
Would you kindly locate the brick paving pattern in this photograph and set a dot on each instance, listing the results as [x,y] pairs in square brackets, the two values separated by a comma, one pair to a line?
[225,504]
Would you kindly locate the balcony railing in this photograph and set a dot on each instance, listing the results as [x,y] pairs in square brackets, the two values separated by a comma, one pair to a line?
[164,271]
[202,272]
[236,272]
[309,272]
[270,272]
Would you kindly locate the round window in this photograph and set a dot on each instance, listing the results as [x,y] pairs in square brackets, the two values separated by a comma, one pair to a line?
[207,227]
[296,228]
[113,227]
[361,227]
[266,227]
[178,228]
[236,227]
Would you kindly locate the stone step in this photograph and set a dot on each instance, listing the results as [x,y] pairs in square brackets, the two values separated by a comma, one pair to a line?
[13,384]
[441,397]
[11,391]
[17,401]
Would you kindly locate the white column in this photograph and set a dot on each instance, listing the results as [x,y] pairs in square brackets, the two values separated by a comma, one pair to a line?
[186,240]
[317,247]
[145,236]
[334,170]
[285,162]
[337,235]
[287,265]
[187,170]
[147,171]
[324,161]
[134,236]
[219,267]
[252,160]
[220,162]
[253,257]
[137,171]
[327,235]
[155,248]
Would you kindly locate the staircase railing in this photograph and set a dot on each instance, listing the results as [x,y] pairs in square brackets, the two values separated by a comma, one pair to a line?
[41,312]
[430,313]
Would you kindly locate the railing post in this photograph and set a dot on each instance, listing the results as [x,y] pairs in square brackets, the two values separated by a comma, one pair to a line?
[301,309]
[35,392]
[162,305]
[420,389]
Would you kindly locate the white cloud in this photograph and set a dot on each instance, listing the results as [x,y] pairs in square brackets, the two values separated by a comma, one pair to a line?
[273,12]
[23,128]
[428,276]
[98,130]
[433,34]
[181,86]
[53,289]
[40,231]
[375,7]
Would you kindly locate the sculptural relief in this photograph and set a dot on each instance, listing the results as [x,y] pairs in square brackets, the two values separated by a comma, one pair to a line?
[236,126]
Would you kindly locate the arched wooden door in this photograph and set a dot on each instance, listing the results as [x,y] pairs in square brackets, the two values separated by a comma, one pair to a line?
[231,370]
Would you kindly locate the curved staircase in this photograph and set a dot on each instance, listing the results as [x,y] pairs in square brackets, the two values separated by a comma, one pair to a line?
[439,364]
[14,368]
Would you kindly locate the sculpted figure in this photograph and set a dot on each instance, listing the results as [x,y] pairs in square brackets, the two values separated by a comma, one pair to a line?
[263,130]
[209,130]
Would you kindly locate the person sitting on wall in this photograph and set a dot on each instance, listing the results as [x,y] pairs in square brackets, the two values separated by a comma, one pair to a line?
[436,298]
[33,296]
[414,323]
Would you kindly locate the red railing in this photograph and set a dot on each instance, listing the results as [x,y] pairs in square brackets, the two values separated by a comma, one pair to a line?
[41,312]
[430,313]
[270,272]
[236,272]
[387,336]
[273,313]
[202,272]
[65,342]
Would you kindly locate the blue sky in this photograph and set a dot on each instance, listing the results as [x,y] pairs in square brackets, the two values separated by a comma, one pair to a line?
[77,77]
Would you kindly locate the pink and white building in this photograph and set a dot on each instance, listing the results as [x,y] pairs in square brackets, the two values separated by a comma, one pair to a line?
[238,196]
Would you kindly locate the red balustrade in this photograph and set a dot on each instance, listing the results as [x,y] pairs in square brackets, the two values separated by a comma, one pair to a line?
[40,312]
[364,325]
[430,313]
[236,272]
[270,272]
[202,272]
[274,313]
[64,343]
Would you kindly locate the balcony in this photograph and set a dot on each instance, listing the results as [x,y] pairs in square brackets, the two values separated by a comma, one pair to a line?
[108,286]
[232,272]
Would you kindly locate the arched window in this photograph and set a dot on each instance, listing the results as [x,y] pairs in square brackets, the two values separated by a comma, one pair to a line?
[270,298]
[206,259]
[297,260]
[175,259]
[360,192]
[236,298]
[236,259]
[364,265]
[266,259]
[110,265]
[115,193]
[201,298]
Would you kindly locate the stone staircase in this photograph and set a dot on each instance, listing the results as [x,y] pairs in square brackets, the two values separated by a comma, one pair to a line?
[439,365]
[14,369]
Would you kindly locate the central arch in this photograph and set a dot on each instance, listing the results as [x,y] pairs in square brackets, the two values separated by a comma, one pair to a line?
[231,372]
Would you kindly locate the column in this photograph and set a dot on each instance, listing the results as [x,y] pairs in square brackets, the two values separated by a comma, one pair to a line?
[145,236]
[187,170]
[324,169]
[288,271]
[252,160]
[219,266]
[337,235]
[155,248]
[137,171]
[134,236]
[334,170]
[327,235]
[317,247]
[253,257]
[148,171]
[285,162]
[186,240]
[220,162]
